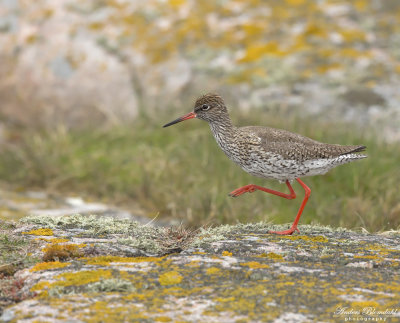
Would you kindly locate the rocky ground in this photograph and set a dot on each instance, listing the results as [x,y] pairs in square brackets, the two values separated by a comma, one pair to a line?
[101,269]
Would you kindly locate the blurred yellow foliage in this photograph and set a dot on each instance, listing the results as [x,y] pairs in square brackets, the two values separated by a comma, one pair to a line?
[257,51]
[361,5]
[328,67]
[352,35]
[295,2]
[96,25]
[315,30]
[47,13]
[352,53]
[31,39]
[176,3]
[319,34]
[253,29]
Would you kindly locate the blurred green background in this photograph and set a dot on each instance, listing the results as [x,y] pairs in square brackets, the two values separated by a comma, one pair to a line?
[85,88]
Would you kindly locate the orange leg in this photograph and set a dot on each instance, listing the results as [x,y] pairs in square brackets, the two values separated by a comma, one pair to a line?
[251,188]
[307,191]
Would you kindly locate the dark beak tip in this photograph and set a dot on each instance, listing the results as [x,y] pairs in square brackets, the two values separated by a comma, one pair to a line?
[170,123]
[188,116]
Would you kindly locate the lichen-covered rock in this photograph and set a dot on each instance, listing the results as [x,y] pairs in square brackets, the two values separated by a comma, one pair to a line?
[95,61]
[125,272]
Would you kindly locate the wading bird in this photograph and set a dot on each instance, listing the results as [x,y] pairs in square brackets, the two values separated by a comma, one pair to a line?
[270,153]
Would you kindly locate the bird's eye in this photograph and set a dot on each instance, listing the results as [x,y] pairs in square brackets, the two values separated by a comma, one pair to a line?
[205,107]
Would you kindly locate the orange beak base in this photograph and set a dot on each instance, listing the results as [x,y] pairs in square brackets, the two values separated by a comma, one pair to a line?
[188,116]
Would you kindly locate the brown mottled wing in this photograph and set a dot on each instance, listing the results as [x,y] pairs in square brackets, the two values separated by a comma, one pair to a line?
[297,147]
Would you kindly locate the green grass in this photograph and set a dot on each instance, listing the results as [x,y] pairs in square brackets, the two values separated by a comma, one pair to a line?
[180,172]
[15,253]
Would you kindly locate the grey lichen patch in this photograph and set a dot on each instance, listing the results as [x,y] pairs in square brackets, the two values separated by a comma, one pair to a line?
[223,232]
[145,243]
[59,291]
[265,227]
[106,235]
[91,223]
[161,240]
[111,285]
[126,232]
[152,240]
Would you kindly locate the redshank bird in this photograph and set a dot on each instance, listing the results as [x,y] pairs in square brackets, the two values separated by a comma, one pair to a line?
[270,153]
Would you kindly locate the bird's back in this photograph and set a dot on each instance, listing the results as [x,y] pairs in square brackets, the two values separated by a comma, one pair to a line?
[280,154]
[294,146]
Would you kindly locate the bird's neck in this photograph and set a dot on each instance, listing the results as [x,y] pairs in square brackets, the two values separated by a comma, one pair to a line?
[223,125]
[223,130]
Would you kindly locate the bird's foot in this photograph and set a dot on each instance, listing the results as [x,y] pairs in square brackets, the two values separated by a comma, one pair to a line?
[241,190]
[286,232]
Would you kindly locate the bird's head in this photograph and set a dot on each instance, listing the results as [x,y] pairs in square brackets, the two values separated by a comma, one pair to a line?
[209,107]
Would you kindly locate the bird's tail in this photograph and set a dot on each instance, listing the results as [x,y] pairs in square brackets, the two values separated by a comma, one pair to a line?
[351,157]
[353,150]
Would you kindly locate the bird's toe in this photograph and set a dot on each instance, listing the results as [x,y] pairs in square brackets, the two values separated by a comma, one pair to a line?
[285,232]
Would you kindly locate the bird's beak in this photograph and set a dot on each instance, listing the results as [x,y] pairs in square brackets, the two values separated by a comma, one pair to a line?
[188,116]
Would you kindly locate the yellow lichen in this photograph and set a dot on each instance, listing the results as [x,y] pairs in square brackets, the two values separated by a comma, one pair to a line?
[368,257]
[82,277]
[101,311]
[306,238]
[284,284]
[274,256]
[270,255]
[240,305]
[106,260]
[49,265]
[170,278]
[212,270]
[194,263]
[53,240]
[225,299]
[254,265]
[40,286]
[40,232]
[61,251]
[364,304]
[163,319]
[226,253]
